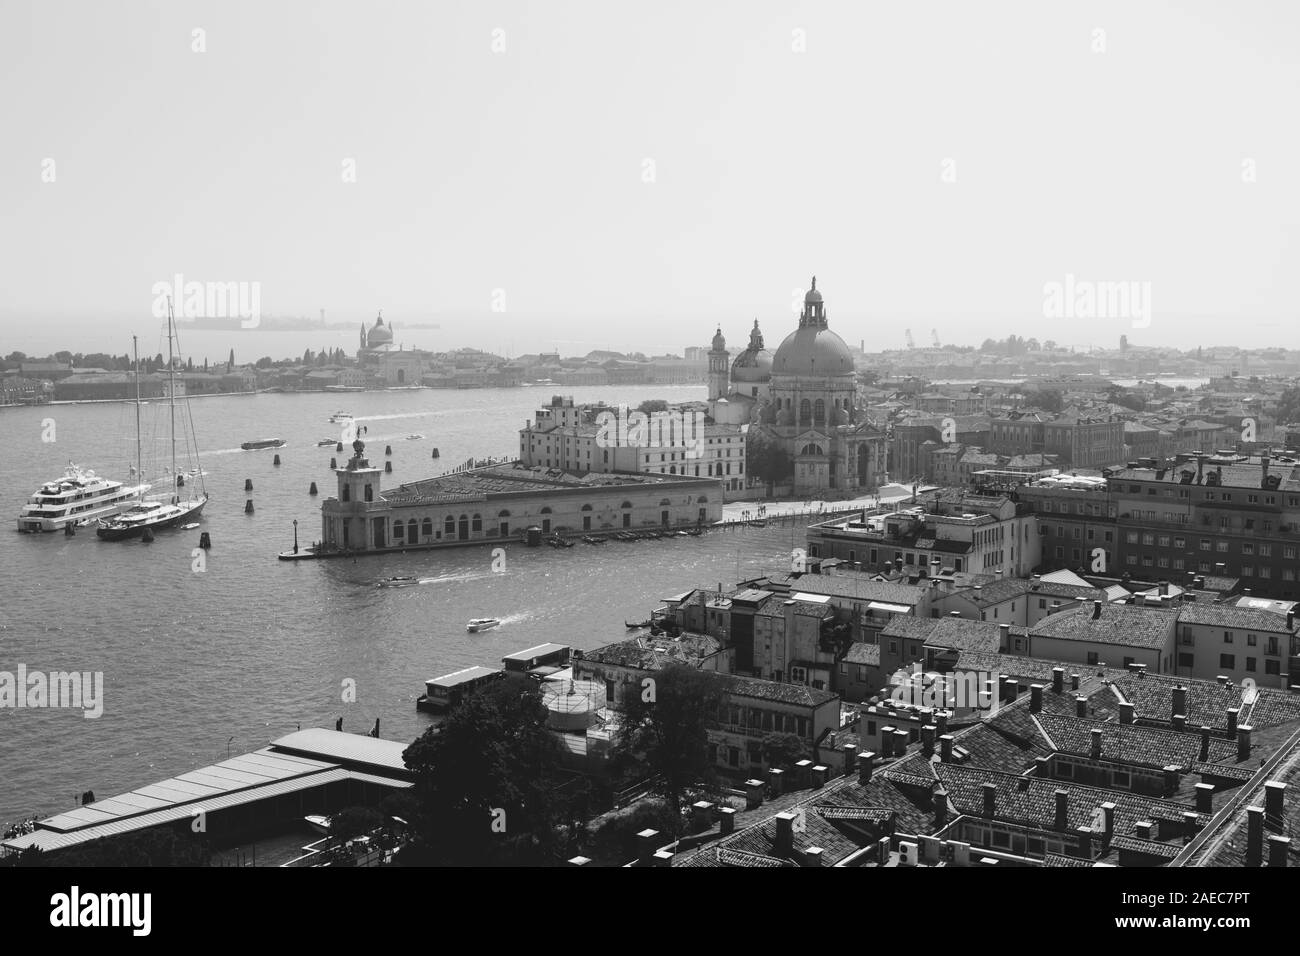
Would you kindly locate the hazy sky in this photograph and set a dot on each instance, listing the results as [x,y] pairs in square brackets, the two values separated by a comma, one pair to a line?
[786,139]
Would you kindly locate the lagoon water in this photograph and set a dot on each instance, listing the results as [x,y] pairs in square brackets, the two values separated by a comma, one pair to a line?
[251,648]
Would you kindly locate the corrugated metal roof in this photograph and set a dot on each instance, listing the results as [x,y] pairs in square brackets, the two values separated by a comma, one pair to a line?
[337,745]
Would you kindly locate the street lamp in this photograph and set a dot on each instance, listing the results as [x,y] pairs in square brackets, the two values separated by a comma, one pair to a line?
[295,535]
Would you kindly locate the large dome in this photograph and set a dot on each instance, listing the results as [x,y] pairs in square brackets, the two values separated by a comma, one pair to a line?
[379,335]
[813,351]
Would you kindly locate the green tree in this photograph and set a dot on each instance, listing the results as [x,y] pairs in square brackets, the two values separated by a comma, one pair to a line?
[665,729]
[783,750]
[766,460]
[353,822]
[1288,406]
[485,780]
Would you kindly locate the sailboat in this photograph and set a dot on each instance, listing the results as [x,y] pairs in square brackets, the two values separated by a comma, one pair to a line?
[152,514]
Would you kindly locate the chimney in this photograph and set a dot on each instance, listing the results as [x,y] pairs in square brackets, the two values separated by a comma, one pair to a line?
[1243,742]
[1205,743]
[784,834]
[1290,620]
[646,842]
[1179,702]
[1074,682]
[1205,798]
[887,741]
[866,762]
[1062,809]
[1108,822]
[1274,800]
[1126,713]
[1013,689]
[945,748]
[941,722]
[927,739]
[1095,751]
[1232,719]
[939,800]
[1278,846]
[1164,588]
[1096,610]
[1145,829]
[990,799]
[1254,836]
[1035,698]
[1081,707]
[1180,721]
[1263,478]
[1085,842]
[1058,680]
[850,759]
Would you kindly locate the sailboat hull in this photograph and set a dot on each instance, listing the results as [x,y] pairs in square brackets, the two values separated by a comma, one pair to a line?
[172,515]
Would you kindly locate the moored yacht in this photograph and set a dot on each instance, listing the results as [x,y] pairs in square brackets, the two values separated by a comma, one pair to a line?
[151,514]
[77,497]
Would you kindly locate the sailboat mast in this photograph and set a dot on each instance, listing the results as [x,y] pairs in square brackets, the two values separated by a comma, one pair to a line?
[139,465]
[171,389]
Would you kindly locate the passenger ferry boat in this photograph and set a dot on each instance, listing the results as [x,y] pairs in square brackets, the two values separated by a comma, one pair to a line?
[263,443]
[341,418]
[76,497]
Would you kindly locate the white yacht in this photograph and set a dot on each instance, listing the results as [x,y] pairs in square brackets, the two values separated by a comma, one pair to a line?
[79,496]
[341,418]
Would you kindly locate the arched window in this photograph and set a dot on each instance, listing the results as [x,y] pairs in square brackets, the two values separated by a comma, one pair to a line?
[503,514]
[426,528]
[702,499]
[412,531]
[625,505]
[477,525]
[811,449]
[399,531]
[672,470]
[819,411]
[546,510]
[805,411]
[664,503]
[586,507]
[449,525]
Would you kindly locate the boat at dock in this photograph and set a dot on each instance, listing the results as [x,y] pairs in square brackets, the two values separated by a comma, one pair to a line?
[263,443]
[76,499]
[149,515]
[318,822]
[481,624]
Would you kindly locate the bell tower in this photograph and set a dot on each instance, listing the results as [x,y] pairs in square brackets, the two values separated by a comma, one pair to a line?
[719,371]
[814,309]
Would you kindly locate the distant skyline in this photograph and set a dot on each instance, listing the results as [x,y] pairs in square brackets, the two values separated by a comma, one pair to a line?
[634,180]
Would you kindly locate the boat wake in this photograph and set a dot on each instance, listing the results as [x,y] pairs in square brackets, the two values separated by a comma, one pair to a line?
[449,578]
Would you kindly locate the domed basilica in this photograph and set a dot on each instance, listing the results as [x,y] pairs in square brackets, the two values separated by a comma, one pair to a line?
[803,399]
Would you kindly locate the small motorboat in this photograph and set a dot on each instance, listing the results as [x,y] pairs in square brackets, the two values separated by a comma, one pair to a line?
[645,623]
[326,441]
[341,418]
[189,527]
[592,539]
[481,624]
[262,443]
[398,581]
[757,523]
[415,437]
[318,822]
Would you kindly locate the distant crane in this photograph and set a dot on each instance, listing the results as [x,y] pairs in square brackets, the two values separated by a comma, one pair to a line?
[911,344]
[934,334]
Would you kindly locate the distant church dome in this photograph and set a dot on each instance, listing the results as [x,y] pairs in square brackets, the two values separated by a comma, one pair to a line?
[379,335]
[813,350]
[754,365]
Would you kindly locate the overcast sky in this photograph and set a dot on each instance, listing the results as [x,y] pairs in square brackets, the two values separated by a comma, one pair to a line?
[631,175]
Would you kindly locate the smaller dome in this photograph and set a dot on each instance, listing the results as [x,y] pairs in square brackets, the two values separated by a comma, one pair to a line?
[813,295]
[380,334]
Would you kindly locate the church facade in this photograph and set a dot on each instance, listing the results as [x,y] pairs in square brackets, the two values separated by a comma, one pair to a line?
[803,398]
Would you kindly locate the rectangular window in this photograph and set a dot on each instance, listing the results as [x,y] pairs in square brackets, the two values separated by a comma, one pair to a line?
[1227,661]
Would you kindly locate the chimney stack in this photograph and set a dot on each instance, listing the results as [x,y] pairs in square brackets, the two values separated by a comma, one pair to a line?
[1232,719]
[1035,698]
[1274,800]
[941,722]
[1243,742]
[1062,809]
[1179,704]
[1080,706]
[1095,751]
[1126,713]
[1058,680]
[784,834]
[1074,682]
[1085,842]
[1205,798]
[1278,846]
[945,748]
[1254,836]
[1096,610]
[939,800]
[866,762]
[990,799]
[1205,743]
